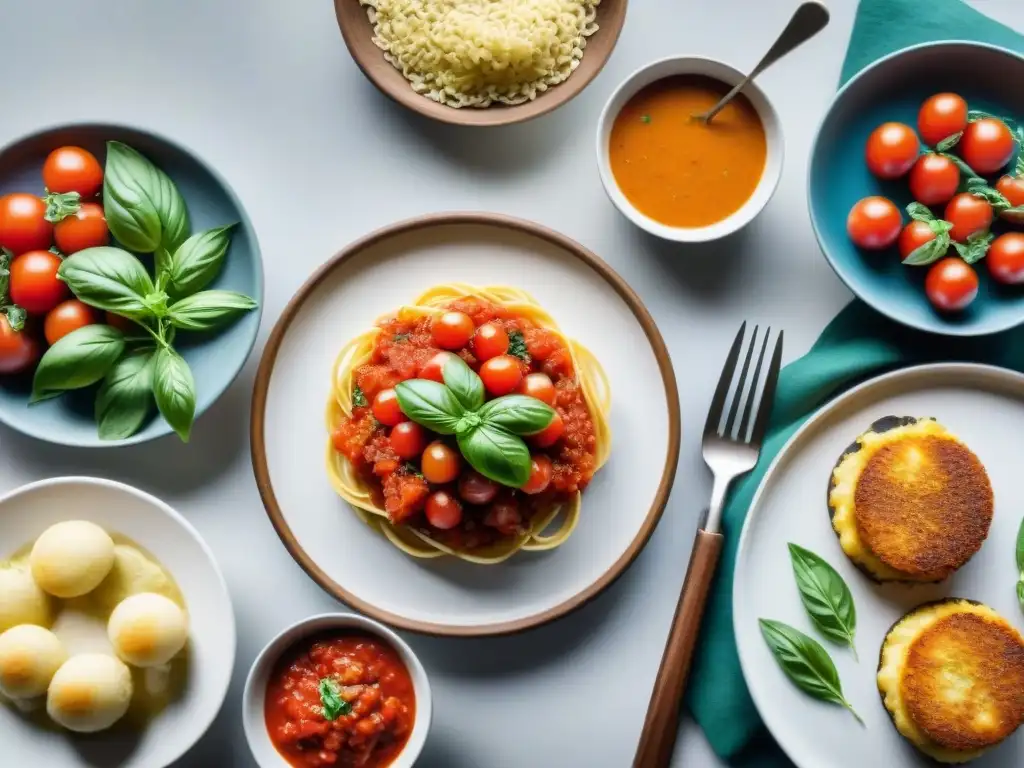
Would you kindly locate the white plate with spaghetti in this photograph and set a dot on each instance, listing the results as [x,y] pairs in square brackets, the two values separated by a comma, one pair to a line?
[485,469]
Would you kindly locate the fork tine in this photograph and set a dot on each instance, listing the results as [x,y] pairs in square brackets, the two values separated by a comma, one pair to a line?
[768,397]
[745,425]
[738,396]
[718,401]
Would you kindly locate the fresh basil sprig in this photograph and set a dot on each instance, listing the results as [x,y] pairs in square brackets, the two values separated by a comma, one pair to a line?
[825,595]
[1020,565]
[935,248]
[331,703]
[15,314]
[805,662]
[975,248]
[79,359]
[995,198]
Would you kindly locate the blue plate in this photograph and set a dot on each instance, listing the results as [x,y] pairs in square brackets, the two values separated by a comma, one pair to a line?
[894,88]
[215,359]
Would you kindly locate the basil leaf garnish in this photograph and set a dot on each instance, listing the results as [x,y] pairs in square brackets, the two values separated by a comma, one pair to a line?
[198,260]
[175,391]
[331,702]
[207,310]
[518,414]
[81,358]
[920,212]
[496,454]
[975,248]
[108,278]
[358,397]
[517,346]
[16,316]
[825,595]
[805,663]
[430,404]
[464,383]
[126,396]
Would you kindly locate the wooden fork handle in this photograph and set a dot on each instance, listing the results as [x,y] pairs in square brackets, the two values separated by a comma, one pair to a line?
[662,723]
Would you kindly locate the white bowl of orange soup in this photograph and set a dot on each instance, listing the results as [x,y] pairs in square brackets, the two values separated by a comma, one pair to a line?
[679,178]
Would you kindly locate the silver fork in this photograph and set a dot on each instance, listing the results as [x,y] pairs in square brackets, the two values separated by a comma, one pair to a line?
[730,450]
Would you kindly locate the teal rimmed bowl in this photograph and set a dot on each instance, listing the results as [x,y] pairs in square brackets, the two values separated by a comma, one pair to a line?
[893,88]
[215,359]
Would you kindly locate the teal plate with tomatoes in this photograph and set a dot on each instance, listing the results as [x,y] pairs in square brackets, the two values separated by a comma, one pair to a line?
[893,89]
[214,357]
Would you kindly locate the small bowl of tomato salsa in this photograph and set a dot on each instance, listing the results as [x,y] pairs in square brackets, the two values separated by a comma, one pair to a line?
[336,690]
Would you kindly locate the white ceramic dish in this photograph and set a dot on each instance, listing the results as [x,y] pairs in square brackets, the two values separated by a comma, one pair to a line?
[692,65]
[982,405]
[27,512]
[254,695]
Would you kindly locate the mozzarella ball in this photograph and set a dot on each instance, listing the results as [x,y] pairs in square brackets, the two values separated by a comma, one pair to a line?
[21,599]
[90,692]
[71,558]
[147,630]
[29,657]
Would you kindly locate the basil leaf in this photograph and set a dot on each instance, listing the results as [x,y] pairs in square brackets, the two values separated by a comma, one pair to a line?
[805,663]
[496,454]
[928,253]
[518,414]
[81,358]
[965,170]
[949,142]
[517,346]
[16,316]
[975,248]
[464,383]
[993,197]
[430,404]
[358,397]
[331,702]
[5,273]
[825,595]
[1020,590]
[207,310]
[175,391]
[108,278]
[144,209]
[1020,548]
[920,212]
[126,396]
[195,264]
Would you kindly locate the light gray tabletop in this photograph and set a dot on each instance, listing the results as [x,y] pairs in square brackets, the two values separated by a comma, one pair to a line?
[265,90]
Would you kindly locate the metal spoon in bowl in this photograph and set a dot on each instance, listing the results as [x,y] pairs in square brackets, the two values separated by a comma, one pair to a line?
[808,20]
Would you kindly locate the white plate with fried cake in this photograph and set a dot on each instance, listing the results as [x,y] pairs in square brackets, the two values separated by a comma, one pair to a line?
[911,487]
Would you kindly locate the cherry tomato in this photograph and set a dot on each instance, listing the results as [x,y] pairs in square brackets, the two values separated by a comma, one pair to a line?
[407,439]
[452,330]
[501,375]
[540,475]
[951,284]
[434,367]
[18,349]
[73,169]
[934,179]
[538,385]
[443,510]
[439,463]
[386,409]
[66,317]
[1012,188]
[34,284]
[550,434]
[22,226]
[504,515]
[477,489]
[874,223]
[892,148]
[87,228]
[913,236]
[122,323]
[987,145]
[941,116]
[1005,258]
[968,214]
[490,340]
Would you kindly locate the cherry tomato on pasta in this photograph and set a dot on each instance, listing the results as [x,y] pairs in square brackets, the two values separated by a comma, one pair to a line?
[66,317]
[891,149]
[550,434]
[86,228]
[477,489]
[874,223]
[490,340]
[18,349]
[386,409]
[452,330]
[434,367]
[968,214]
[1005,258]
[934,179]
[987,145]
[73,169]
[951,284]
[538,385]
[941,116]
[408,439]
[1012,188]
[22,226]
[439,463]
[443,510]
[540,474]
[501,375]
[913,236]
[504,515]
[34,284]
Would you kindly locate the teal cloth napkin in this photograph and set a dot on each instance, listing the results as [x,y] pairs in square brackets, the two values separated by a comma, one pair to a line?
[857,344]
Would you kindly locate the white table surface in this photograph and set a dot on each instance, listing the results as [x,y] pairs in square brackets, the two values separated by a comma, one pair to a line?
[266,91]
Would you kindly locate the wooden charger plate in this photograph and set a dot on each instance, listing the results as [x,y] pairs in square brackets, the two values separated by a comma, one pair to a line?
[373,277]
[358,33]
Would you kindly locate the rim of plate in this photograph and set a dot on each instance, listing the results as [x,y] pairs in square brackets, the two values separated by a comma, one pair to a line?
[266,367]
[1004,374]
[949,330]
[244,221]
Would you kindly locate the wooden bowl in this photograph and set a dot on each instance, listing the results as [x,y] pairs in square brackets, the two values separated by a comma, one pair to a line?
[358,33]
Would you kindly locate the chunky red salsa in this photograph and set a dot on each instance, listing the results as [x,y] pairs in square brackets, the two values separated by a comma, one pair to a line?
[344,700]
[421,478]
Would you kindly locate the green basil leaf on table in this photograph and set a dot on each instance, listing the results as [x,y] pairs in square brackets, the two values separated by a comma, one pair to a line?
[949,142]
[975,248]
[108,278]
[126,396]
[805,662]
[518,414]
[496,454]
[174,389]
[331,703]
[825,595]
[464,383]
[145,212]
[81,358]
[198,260]
[517,346]
[430,404]
[207,310]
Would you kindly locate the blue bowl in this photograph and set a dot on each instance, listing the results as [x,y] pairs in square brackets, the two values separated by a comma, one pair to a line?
[215,359]
[894,88]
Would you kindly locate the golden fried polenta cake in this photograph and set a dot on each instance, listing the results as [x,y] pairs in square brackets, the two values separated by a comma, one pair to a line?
[909,501]
[951,675]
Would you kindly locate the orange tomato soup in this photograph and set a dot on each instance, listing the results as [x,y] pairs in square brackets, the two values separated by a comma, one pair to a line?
[679,171]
